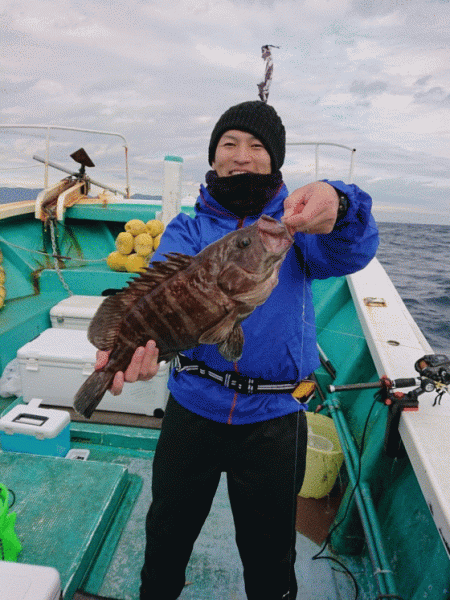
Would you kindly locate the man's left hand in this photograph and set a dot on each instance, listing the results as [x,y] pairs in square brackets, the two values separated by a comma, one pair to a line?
[311,209]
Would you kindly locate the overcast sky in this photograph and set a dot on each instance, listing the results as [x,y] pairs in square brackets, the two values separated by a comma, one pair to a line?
[370,74]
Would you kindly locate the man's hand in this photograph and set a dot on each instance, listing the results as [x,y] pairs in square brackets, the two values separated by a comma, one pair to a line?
[143,366]
[311,209]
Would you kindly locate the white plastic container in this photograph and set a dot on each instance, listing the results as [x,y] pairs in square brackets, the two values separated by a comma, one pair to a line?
[75,312]
[29,582]
[54,365]
[35,430]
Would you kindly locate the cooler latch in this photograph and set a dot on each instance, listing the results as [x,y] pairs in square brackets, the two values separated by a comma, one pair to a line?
[32,364]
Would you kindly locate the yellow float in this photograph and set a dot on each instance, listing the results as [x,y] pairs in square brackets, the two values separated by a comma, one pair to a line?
[125,242]
[135,227]
[135,245]
[136,263]
[143,244]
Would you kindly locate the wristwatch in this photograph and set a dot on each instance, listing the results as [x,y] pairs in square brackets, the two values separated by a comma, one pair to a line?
[343,204]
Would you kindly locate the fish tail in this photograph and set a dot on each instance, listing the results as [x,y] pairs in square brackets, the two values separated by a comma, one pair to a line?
[91,392]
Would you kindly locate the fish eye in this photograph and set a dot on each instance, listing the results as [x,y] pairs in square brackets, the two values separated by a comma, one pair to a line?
[244,243]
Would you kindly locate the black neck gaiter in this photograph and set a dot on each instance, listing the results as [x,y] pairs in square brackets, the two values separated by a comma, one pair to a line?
[245,194]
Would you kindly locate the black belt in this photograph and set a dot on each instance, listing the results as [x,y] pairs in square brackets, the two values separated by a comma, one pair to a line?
[238,382]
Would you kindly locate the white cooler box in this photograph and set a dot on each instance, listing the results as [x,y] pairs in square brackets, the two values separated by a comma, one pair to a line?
[35,430]
[54,365]
[28,582]
[75,312]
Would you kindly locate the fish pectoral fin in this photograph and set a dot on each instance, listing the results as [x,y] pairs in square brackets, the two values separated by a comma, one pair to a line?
[231,348]
[219,332]
[229,337]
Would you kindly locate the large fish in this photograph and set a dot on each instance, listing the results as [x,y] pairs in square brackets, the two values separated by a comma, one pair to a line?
[186,301]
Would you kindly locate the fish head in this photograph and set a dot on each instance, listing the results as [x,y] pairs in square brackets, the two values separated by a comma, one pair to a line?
[251,260]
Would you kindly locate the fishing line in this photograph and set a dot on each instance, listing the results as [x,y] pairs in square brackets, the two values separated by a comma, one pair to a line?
[100,260]
[352,493]
[361,337]
[299,410]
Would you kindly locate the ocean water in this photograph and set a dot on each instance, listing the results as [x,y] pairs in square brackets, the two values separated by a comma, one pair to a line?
[417,259]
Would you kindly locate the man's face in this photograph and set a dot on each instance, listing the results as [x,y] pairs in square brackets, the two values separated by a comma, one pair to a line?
[240,152]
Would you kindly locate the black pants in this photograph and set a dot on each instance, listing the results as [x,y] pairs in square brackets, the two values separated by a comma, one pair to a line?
[265,465]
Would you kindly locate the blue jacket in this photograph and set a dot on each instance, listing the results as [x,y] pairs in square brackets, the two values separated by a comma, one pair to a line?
[280,339]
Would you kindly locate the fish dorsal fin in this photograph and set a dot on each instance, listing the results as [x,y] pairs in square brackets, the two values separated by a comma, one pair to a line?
[106,324]
[158,272]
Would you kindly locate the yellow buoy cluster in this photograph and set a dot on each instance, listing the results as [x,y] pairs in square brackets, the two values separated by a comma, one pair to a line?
[2,282]
[135,245]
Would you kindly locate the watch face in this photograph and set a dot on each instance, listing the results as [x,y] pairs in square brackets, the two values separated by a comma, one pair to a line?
[343,205]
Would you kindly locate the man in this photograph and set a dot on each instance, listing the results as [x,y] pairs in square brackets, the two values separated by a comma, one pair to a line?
[258,439]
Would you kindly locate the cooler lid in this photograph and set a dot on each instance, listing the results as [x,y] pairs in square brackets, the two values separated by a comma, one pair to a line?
[58,344]
[30,419]
[81,307]
[21,581]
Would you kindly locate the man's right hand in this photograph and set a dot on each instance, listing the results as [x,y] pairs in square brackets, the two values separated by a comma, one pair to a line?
[143,366]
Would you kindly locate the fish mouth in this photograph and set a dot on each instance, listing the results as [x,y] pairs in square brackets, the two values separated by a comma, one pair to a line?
[274,235]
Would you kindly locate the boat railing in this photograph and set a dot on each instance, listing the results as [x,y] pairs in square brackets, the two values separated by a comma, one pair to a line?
[50,128]
[318,144]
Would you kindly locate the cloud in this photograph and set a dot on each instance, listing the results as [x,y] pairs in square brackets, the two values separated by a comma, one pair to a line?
[361,88]
[435,95]
[372,75]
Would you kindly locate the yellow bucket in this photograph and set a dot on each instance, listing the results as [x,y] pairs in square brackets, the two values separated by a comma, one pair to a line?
[324,456]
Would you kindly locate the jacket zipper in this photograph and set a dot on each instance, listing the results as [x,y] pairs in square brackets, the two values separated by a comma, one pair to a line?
[236,394]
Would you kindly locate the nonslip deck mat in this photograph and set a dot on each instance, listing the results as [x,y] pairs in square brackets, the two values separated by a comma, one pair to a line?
[63,508]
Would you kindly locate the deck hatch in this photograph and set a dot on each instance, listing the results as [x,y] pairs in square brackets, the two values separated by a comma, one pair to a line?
[69,503]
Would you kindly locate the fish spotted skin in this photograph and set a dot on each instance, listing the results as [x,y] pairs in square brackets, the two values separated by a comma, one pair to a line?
[186,301]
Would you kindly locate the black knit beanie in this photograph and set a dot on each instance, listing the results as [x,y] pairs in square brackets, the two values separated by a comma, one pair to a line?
[259,119]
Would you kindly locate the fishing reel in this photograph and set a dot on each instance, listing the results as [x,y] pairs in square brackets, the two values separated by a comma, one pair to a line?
[434,374]
[434,367]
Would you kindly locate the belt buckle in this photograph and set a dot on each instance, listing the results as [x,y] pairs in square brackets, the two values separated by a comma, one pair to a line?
[304,391]
[235,381]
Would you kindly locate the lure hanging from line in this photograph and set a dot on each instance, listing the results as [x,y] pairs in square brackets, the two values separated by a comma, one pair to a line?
[263,87]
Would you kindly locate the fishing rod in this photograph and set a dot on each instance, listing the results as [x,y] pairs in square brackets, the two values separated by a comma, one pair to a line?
[434,375]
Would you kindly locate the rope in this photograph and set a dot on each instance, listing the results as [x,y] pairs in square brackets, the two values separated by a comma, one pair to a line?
[83,260]
[55,260]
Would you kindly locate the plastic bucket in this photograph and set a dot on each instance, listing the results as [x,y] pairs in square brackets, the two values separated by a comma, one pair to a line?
[324,457]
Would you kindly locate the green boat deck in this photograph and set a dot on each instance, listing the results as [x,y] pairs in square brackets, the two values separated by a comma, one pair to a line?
[64,509]
[87,519]
[103,553]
